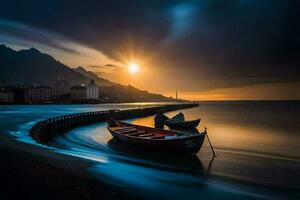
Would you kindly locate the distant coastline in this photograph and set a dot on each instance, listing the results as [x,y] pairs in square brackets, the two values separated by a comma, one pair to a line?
[141,102]
[92,103]
[248,101]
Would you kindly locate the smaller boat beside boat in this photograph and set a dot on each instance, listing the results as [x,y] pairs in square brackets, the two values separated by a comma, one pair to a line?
[177,122]
[159,120]
[176,119]
[185,124]
[156,139]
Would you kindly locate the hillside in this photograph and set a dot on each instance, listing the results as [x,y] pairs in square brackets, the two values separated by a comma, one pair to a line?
[32,66]
[98,80]
[115,92]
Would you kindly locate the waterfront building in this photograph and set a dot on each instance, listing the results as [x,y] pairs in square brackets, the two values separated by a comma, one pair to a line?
[78,93]
[17,90]
[40,94]
[6,96]
[59,87]
[92,90]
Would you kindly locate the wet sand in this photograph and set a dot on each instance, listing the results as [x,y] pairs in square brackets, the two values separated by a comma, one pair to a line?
[29,172]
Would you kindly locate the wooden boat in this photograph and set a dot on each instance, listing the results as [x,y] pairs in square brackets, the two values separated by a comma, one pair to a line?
[178,121]
[156,139]
[159,120]
[185,124]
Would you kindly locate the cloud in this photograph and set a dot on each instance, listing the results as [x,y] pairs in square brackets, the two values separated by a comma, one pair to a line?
[182,18]
[111,66]
[20,35]
[106,69]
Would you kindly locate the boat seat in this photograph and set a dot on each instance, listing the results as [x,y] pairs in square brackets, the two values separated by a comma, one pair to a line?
[120,128]
[126,129]
[138,133]
[133,130]
[146,135]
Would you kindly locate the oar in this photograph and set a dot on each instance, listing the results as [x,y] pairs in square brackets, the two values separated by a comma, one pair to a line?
[212,149]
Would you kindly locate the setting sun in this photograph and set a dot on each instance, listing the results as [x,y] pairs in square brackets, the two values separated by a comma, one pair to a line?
[133,68]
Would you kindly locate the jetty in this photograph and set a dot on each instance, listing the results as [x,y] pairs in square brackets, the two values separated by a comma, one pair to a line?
[45,130]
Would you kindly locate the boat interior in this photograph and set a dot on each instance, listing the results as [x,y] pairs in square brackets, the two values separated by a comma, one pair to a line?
[146,134]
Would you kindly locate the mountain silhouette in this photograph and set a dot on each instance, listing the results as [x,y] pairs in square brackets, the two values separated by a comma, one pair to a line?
[31,66]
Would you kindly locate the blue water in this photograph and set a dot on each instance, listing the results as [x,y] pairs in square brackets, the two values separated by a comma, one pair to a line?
[256,144]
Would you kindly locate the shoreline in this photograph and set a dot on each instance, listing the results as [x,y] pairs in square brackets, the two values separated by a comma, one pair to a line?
[32,172]
[35,172]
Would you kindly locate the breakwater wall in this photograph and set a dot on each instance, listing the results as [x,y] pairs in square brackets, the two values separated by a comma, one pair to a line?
[44,130]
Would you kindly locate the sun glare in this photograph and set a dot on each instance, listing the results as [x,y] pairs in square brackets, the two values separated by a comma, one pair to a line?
[133,68]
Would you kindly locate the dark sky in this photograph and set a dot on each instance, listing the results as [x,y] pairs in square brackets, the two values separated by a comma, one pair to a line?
[196,46]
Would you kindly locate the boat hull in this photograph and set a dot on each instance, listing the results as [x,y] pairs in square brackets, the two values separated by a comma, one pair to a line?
[191,144]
